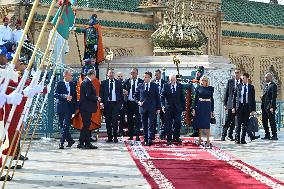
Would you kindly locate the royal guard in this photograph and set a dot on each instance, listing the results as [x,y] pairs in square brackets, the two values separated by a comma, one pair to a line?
[190,96]
[96,117]
[20,67]
[93,42]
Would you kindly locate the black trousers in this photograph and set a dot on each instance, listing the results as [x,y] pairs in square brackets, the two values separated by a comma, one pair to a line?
[65,124]
[122,118]
[111,113]
[243,114]
[229,124]
[85,133]
[133,118]
[172,124]
[267,115]
[162,130]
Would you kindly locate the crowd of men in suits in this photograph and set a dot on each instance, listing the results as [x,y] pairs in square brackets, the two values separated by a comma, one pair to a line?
[240,103]
[146,101]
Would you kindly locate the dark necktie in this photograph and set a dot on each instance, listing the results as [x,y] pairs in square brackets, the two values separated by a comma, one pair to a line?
[133,88]
[110,90]
[245,94]
[147,87]
[173,89]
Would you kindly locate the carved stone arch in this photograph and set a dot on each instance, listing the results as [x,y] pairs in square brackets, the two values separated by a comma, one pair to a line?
[244,62]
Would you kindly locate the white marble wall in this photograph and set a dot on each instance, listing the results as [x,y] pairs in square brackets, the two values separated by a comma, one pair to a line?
[217,68]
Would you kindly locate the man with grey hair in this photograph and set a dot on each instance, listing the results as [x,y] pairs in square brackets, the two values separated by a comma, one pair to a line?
[173,105]
[66,94]
[268,107]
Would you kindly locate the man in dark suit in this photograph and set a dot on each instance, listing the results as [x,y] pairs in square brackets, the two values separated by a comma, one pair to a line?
[244,105]
[160,83]
[132,108]
[173,104]
[122,111]
[112,98]
[88,104]
[268,107]
[228,105]
[66,95]
[148,98]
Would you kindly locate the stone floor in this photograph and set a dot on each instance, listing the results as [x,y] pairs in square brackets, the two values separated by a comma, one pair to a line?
[111,166]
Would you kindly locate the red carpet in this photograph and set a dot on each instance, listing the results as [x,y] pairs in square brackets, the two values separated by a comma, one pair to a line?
[193,167]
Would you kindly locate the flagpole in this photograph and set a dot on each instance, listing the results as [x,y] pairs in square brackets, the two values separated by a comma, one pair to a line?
[9,70]
[25,111]
[35,79]
[45,100]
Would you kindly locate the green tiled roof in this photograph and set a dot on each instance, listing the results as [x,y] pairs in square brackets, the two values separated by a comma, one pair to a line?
[253,12]
[115,24]
[120,5]
[252,35]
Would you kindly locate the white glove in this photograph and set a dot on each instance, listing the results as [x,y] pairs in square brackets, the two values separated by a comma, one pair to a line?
[95,47]
[29,92]
[3,99]
[38,88]
[14,98]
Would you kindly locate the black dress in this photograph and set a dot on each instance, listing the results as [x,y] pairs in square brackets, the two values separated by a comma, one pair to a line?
[204,105]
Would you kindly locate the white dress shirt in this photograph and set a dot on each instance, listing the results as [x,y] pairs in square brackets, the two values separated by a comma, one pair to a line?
[242,93]
[113,90]
[146,86]
[67,84]
[6,34]
[175,87]
[130,92]
[17,34]
[237,82]
[159,83]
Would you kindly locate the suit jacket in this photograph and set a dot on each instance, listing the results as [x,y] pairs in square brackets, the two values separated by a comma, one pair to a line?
[150,98]
[104,93]
[163,82]
[63,105]
[269,97]
[127,84]
[174,101]
[229,93]
[251,97]
[88,98]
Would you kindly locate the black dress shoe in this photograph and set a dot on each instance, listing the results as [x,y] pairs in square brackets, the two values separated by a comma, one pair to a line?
[130,138]
[266,138]
[146,144]
[253,138]
[169,143]
[90,146]
[178,140]
[162,137]
[61,146]
[115,140]
[150,142]
[273,138]
[70,144]
[80,146]
[243,142]
[137,138]
[109,140]
[13,167]
[3,178]
[237,142]
[194,135]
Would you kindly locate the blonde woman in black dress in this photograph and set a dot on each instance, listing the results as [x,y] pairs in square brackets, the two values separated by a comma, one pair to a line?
[204,108]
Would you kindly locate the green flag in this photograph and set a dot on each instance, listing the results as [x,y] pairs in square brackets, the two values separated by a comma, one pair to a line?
[66,22]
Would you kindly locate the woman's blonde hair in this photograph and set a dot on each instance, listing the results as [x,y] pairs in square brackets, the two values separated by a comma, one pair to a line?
[204,81]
